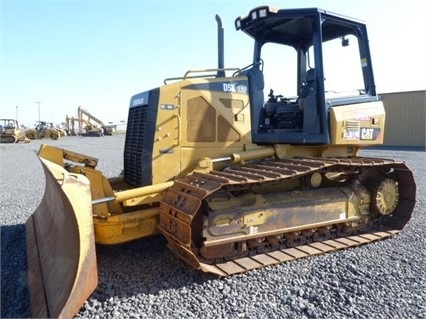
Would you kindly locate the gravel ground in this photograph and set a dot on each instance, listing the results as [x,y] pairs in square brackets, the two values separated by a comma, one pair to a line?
[144,279]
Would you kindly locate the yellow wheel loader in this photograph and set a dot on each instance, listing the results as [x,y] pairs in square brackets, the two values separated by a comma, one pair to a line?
[235,176]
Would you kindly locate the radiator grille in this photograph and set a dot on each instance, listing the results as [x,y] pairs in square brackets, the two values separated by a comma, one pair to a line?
[134,145]
[138,148]
[137,155]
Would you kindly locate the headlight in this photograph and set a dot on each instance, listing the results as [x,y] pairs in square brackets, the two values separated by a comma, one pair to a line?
[262,13]
[255,14]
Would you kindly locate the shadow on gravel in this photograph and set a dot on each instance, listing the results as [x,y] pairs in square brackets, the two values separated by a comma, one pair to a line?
[15,300]
[151,268]
[144,267]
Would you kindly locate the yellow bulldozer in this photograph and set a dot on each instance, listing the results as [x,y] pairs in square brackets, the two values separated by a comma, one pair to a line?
[233,175]
[10,132]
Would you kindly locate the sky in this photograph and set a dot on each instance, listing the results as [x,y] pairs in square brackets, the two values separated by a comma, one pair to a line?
[97,53]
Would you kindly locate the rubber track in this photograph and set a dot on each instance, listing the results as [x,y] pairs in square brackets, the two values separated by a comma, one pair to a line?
[182,201]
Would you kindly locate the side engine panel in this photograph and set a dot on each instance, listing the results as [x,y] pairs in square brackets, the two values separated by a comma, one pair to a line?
[357,124]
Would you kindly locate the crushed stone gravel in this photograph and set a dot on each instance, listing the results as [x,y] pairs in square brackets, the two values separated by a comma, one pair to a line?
[144,279]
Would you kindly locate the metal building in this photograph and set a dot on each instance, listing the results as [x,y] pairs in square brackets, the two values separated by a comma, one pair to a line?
[405,118]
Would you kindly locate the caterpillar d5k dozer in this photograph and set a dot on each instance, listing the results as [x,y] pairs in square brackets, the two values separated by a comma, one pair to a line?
[10,132]
[232,181]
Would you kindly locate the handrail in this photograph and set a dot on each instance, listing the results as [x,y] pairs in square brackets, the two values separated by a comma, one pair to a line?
[179,119]
[186,75]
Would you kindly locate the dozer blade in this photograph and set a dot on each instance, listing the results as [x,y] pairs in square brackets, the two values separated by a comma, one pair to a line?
[61,256]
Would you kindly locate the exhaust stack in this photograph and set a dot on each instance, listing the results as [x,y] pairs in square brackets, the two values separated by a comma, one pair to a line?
[220,48]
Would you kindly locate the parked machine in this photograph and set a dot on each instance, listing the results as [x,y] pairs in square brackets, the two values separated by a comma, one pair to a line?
[62,132]
[83,127]
[44,130]
[10,132]
[93,125]
[70,125]
[233,181]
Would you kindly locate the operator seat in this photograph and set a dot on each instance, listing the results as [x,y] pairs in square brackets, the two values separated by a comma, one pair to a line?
[307,102]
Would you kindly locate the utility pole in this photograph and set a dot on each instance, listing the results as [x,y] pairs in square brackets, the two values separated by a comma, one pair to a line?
[38,103]
[17,114]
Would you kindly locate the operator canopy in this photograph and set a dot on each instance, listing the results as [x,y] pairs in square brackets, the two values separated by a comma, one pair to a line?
[294,27]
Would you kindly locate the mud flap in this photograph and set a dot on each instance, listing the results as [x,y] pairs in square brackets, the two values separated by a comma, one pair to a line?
[61,256]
